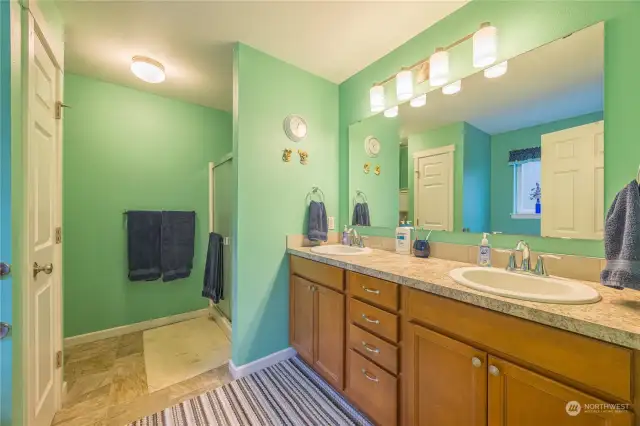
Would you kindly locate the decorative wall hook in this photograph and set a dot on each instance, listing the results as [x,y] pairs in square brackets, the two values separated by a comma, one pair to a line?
[377,170]
[366,168]
[303,156]
[286,155]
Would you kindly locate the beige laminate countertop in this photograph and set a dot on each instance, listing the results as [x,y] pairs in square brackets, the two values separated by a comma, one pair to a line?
[615,319]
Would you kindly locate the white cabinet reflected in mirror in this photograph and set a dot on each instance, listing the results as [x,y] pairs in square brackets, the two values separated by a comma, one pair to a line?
[519,154]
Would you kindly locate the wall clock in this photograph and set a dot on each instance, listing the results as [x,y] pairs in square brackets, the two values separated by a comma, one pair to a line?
[372,146]
[295,127]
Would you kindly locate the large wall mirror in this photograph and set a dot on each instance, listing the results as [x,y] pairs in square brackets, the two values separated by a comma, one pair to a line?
[517,153]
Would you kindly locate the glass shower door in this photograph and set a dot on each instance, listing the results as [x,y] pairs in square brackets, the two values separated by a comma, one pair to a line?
[222,211]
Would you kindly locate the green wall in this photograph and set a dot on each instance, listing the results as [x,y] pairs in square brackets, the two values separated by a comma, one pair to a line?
[502,173]
[476,180]
[271,193]
[451,134]
[127,150]
[404,166]
[381,190]
[523,25]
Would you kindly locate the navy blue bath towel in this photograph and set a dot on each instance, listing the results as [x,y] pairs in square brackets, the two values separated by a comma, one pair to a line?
[178,236]
[213,287]
[143,245]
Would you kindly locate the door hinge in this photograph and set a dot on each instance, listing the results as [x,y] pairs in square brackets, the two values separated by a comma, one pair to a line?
[59,106]
[59,359]
[58,235]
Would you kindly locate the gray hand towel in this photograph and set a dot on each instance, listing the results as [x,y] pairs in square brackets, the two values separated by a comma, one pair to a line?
[360,215]
[622,240]
[143,245]
[178,235]
[317,227]
[213,274]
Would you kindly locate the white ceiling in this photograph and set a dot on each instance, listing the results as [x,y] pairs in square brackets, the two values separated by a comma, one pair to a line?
[559,80]
[194,39]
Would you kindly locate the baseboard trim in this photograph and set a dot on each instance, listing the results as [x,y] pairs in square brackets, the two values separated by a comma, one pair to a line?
[132,328]
[220,319]
[257,365]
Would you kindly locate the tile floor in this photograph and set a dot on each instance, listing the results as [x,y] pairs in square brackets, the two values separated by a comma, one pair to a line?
[107,380]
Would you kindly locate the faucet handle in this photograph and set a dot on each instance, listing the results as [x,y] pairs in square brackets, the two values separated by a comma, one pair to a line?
[541,268]
[512,258]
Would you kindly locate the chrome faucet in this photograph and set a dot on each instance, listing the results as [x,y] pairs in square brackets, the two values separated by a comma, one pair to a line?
[523,246]
[354,238]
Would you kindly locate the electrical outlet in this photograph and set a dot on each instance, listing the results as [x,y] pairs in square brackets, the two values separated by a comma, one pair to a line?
[331,222]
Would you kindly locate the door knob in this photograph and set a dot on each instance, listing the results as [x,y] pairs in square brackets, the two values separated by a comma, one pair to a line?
[5,329]
[5,269]
[47,269]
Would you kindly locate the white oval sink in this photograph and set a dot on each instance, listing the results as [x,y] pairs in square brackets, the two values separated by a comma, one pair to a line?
[525,287]
[341,250]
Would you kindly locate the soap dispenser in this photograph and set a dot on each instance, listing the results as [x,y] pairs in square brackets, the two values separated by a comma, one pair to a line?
[484,251]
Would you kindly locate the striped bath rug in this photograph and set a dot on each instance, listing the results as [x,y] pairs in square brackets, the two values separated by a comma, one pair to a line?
[288,393]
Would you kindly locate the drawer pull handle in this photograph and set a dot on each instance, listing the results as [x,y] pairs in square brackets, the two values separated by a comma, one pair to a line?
[367,319]
[370,348]
[370,290]
[370,376]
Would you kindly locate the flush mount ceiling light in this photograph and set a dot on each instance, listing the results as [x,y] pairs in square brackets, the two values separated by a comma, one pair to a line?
[485,45]
[404,85]
[147,69]
[453,88]
[419,101]
[391,112]
[376,98]
[439,67]
[496,70]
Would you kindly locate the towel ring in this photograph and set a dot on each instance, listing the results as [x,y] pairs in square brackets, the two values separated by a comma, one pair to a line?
[361,195]
[315,190]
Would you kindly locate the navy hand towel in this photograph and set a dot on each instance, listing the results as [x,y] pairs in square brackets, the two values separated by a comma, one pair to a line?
[213,287]
[317,227]
[622,240]
[178,235]
[143,245]
[360,215]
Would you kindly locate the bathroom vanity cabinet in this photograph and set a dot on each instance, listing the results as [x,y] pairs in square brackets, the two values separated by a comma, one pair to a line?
[408,357]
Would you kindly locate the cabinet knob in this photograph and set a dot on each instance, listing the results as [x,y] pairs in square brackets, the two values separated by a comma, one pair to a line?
[494,371]
[476,362]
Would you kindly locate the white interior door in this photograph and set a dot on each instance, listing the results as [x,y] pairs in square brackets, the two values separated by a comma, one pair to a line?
[43,202]
[572,169]
[434,189]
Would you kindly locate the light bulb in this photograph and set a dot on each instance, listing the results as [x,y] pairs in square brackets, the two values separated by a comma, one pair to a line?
[453,88]
[147,69]
[404,85]
[419,101]
[485,46]
[376,98]
[496,70]
[391,112]
[439,68]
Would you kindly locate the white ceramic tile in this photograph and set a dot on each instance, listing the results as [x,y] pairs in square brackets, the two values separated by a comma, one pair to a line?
[184,350]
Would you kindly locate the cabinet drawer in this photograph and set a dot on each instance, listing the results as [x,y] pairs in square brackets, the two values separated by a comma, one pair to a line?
[577,358]
[373,390]
[366,344]
[377,291]
[320,273]
[381,323]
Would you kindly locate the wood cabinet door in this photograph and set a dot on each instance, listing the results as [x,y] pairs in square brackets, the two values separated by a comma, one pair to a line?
[301,317]
[329,351]
[520,397]
[446,380]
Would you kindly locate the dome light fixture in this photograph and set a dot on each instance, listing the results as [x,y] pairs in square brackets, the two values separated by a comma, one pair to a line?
[147,69]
